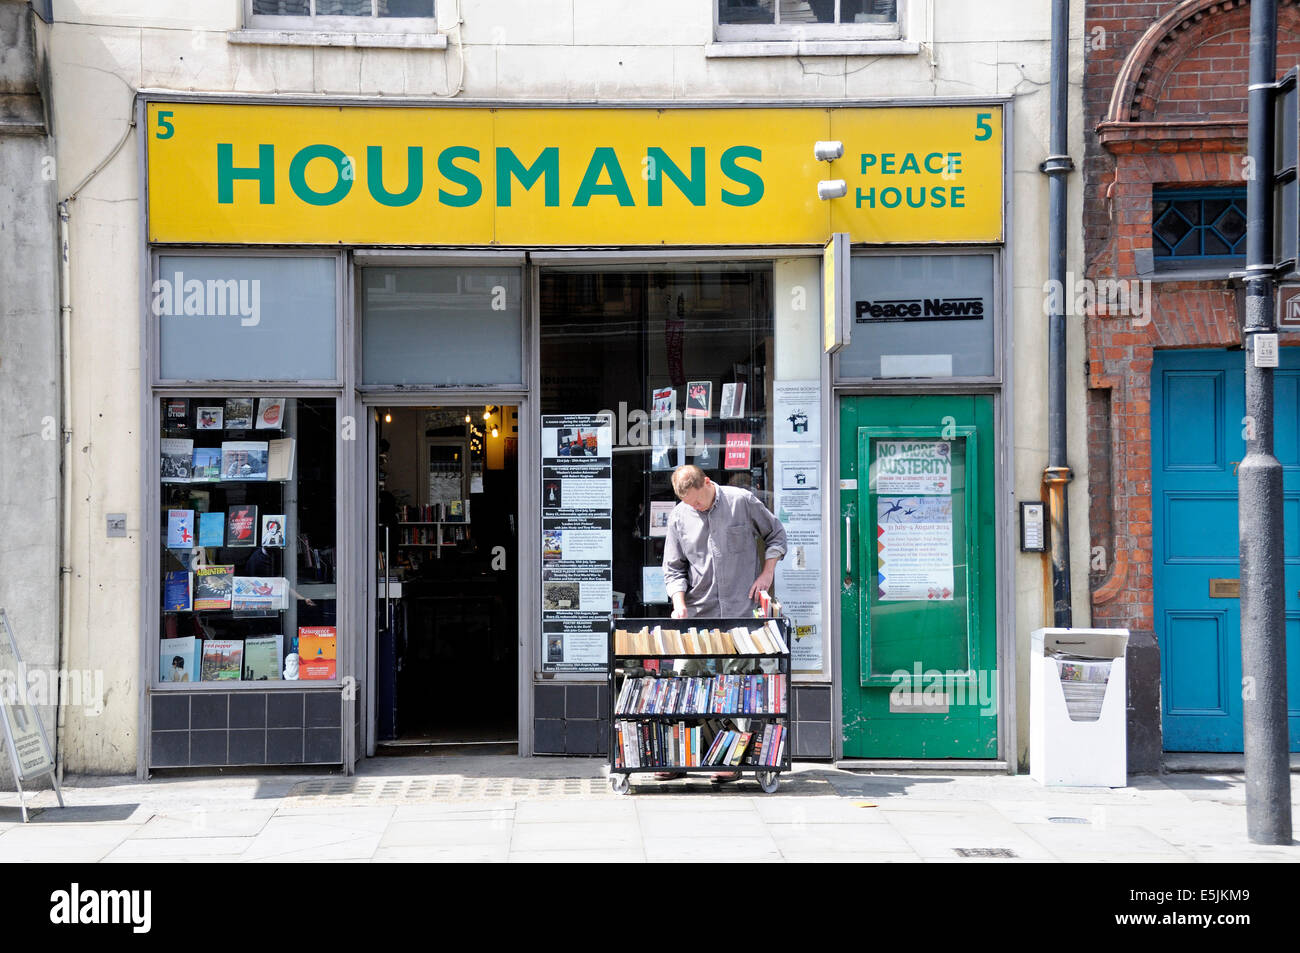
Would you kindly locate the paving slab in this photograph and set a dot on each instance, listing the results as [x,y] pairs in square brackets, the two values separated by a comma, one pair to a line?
[84,843]
[447,833]
[621,810]
[1135,842]
[202,823]
[818,811]
[711,849]
[568,835]
[162,848]
[456,854]
[838,838]
[595,856]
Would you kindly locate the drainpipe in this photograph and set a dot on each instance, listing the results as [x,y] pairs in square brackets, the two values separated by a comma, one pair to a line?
[1057,166]
[65,473]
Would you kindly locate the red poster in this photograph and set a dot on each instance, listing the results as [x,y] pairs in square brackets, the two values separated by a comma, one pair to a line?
[737,457]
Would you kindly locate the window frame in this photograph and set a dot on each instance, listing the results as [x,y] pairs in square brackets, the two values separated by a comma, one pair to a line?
[753,32]
[151,550]
[1202,194]
[363,258]
[340,24]
[153,322]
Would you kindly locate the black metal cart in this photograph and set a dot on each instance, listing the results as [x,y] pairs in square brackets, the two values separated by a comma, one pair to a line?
[767,775]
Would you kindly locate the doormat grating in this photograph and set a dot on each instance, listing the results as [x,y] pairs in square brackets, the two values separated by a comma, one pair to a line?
[442,788]
[984,852]
[426,789]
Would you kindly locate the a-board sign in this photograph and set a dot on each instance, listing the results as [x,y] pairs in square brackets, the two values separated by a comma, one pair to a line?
[29,751]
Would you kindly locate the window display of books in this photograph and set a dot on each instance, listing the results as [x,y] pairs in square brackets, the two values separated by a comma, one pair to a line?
[243,534]
[699,695]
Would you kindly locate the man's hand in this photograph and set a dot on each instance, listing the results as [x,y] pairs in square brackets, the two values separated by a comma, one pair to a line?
[761,584]
[679,605]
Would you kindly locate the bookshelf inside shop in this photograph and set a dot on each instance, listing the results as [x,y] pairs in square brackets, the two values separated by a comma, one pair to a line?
[435,526]
[247,540]
[442,518]
[699,696]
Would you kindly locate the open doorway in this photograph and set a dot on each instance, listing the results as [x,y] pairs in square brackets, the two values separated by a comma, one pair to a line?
[446,532]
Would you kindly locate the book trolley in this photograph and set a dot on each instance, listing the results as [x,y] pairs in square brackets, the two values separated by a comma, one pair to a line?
[676,695]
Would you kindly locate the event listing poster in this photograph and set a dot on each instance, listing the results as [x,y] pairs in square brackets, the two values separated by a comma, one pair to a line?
[796,426]
[577,541]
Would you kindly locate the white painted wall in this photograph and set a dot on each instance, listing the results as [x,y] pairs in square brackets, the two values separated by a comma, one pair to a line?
[102,51]
[29,371]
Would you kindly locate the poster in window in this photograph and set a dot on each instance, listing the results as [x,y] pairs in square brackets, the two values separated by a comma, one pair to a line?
[914,542]
[796,429]
[577,540]
[911,467]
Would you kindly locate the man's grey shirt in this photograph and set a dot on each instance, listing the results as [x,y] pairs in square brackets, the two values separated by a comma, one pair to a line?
[712,556]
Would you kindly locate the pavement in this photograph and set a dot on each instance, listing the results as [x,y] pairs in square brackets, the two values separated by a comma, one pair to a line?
[504,808]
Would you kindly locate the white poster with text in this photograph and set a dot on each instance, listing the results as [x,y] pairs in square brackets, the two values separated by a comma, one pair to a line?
[796,428]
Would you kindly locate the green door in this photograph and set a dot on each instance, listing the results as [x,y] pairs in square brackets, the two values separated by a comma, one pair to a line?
[918,613]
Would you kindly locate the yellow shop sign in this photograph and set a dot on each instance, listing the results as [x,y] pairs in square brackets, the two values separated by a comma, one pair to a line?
[465,175]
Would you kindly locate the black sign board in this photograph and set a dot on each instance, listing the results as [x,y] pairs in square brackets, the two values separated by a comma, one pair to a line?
[1286,186]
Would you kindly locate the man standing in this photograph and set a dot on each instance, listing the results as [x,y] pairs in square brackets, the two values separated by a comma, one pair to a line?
[711,564]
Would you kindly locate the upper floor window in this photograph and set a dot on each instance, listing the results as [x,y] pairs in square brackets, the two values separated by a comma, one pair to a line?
[807,19]
[1197,225]
[343,16]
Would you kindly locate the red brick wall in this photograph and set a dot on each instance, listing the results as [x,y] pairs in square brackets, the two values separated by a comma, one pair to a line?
[1193,83]
[1209,83]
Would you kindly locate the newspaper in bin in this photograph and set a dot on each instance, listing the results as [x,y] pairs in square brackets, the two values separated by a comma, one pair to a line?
[1083,683]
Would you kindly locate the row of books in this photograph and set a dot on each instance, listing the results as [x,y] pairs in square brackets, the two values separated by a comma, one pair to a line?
[764,639]
[451,511]
[667,745]
[721,694]
[235,527]
[217,587]
[234,413]
[428,535]
[249,460]
[257,658]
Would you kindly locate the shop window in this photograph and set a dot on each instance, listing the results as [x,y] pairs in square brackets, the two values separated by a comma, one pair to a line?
[807,19]
[247,530]
[442,326]
[1198,226]
[683,359]
[228,317]
[366,16]
[921,316]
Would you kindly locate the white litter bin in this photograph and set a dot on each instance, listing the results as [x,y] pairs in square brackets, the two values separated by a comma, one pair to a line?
[1078,702]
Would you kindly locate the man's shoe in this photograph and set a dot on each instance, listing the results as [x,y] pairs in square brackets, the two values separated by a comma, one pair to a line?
[669,775]
[722,777]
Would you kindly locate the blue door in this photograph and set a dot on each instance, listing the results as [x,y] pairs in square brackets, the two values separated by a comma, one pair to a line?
[1198,402]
